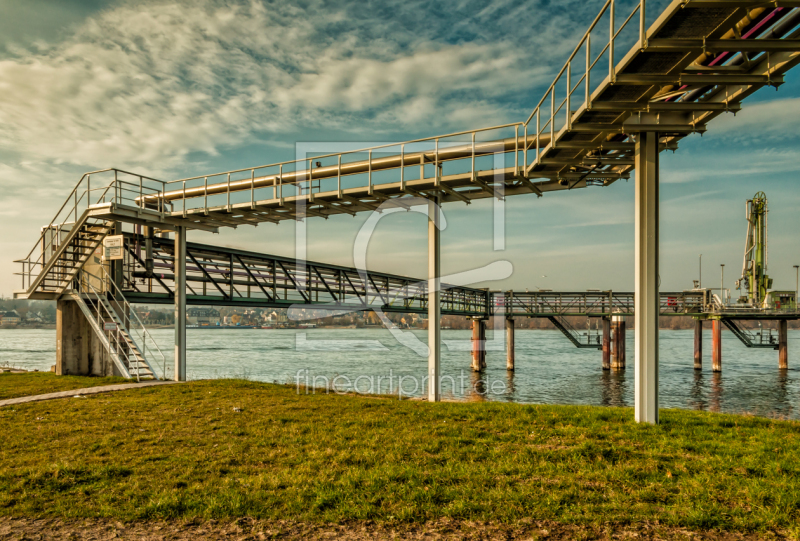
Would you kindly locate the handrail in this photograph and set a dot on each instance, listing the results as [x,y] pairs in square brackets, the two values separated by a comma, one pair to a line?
[144,334]
[116,341]
[357,151]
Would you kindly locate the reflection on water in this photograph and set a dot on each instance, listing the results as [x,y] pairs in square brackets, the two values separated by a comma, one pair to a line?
[613,388]
[549,370]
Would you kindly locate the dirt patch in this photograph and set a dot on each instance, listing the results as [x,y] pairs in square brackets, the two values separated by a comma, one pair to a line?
[249,529]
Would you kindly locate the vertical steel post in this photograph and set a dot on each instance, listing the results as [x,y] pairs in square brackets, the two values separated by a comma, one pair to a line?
[516,149]
[510,344]
[434,308]
[646,303]
[606,343]
[525,150]
[538,130]
[180,303]
[473,157]
[553,116]
[229,192]
[588,100]
[642,26]
[716,345]
[369,172]
[402,167]
[783,345]
[339,178]
[252,188]
[698,344]
[611,74]
[568,103]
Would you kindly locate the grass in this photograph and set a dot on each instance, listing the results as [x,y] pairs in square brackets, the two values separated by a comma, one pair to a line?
[182,451]
[30,383]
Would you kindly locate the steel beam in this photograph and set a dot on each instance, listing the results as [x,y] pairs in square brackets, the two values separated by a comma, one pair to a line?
[646,299]
[703,79]
[723,45]
[661,106]
[180,303]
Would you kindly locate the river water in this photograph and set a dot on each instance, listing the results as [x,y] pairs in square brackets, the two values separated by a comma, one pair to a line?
[549,369]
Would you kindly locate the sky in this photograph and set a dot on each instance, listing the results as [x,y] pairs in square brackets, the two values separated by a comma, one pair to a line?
[177,89]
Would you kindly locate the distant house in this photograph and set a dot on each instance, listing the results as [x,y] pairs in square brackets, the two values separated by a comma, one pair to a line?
[9,318]
[202,316]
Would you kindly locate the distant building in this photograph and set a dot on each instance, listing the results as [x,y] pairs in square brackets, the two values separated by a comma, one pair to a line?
[9,318]
[202,316]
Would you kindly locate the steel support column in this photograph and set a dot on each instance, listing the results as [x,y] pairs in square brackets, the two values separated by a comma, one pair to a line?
[783,343]
[618,350]
[434,305]
[716,345]
[510,344]
[476,345]
[698,344]
[646,303]
[180,304]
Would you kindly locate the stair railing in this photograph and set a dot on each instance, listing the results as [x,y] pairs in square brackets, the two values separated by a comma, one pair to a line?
[133,324]
[71,213]
[103,313]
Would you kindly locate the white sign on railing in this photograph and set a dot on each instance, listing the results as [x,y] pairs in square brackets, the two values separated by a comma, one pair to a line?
[109,326]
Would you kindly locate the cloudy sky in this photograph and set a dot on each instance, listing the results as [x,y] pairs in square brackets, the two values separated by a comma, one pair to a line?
[188,88]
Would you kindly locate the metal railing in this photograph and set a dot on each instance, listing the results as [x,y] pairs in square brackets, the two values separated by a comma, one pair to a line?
[115,186]
[131,322]
[585,79]
[592,303]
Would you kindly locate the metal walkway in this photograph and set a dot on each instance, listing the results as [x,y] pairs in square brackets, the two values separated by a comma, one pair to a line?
[269,281]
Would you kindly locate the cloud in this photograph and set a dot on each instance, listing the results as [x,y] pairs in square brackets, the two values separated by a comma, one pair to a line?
[770,121]
[151,83]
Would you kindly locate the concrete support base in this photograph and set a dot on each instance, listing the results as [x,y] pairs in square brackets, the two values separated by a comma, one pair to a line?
[716,345]
[646,303]
[618,341]
[510,344]
[783,344]
[698,344]
[606,343]
[79,352]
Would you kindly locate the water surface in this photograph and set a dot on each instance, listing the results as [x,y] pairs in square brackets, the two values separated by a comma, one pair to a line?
[549,369]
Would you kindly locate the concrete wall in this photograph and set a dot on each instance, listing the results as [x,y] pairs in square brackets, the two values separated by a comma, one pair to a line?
[78,350]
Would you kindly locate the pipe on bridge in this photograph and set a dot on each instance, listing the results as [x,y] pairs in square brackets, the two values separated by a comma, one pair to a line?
[352,168]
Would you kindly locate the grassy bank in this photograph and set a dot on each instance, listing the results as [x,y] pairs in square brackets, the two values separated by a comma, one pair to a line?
[183,451]
[30,383]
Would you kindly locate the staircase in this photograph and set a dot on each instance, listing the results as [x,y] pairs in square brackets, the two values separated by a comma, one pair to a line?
[120,345]
[62,259]
[573,335]
[750,339]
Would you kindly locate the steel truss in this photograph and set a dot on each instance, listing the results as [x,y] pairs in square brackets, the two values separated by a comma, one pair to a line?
[226,276]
